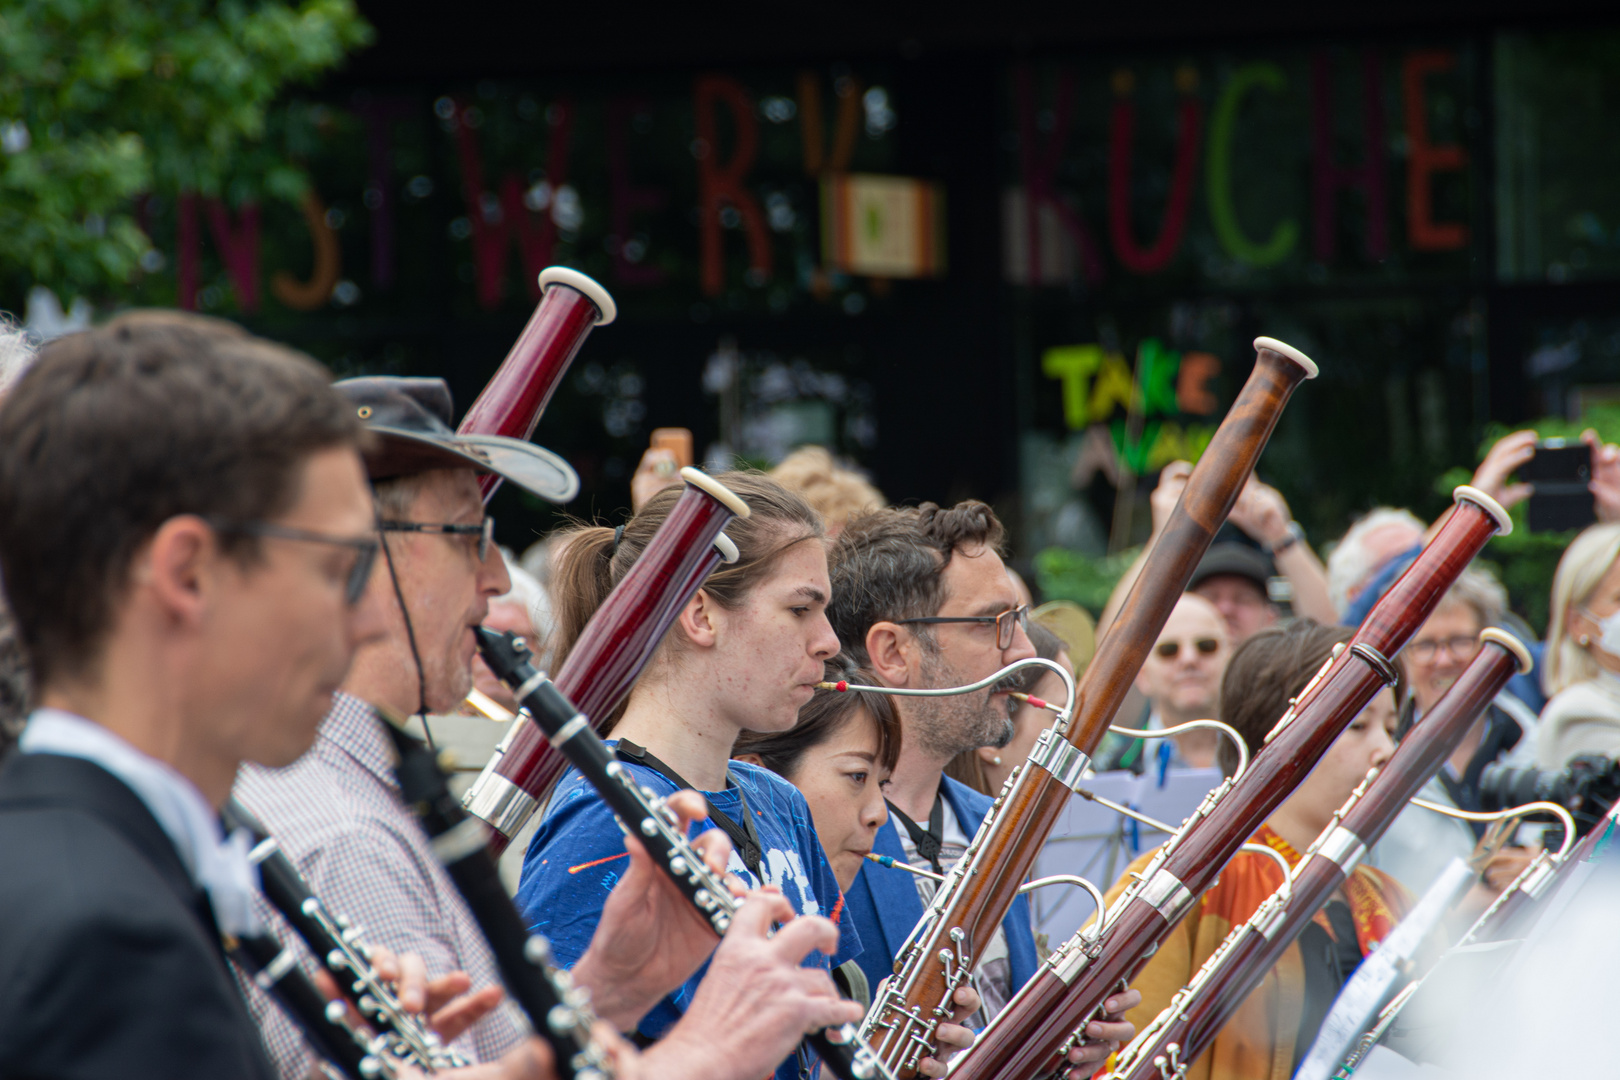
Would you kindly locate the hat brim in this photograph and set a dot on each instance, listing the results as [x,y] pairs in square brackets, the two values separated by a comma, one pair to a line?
[397,452]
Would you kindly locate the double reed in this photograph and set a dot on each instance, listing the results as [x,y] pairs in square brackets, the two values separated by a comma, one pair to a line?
[1031,1035]
[944,949]
[1196,1015]
[653,823]
[616,644]
[571,305]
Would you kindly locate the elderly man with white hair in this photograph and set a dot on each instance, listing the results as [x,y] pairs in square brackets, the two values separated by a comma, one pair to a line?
[1378,537]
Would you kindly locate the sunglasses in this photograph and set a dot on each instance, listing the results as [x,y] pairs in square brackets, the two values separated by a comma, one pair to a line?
[365,550]
[1169,649]
[484,530]
[1007,623]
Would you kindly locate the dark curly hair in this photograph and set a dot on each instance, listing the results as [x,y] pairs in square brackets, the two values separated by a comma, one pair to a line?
[890,564]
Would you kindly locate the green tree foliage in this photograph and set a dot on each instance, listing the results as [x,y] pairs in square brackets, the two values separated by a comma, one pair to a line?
[1062,574]
[105,100]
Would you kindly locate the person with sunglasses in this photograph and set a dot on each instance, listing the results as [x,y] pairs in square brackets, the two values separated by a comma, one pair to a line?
[337,811]
[1181,679]
[921,599]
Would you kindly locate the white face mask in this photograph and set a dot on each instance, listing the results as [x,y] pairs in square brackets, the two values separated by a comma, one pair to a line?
[1609,640]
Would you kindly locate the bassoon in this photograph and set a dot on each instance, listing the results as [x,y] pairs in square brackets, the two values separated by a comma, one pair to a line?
[945,947]
[1197,1013]
[1030,1036]
[1533,896]
[571,305]
[615,646]
[649,817]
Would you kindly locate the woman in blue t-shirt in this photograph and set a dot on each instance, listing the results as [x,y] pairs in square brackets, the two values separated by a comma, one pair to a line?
[744,654]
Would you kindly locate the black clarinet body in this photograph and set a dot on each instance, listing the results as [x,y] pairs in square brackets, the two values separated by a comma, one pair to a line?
[654,824]
[274,969]
[338,944]
[559,1011]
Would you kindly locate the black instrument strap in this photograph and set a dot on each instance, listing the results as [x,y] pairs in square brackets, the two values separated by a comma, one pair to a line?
[744,838]
[929,841]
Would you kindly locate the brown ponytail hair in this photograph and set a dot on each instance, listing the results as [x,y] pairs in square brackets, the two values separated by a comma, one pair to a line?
[591,559]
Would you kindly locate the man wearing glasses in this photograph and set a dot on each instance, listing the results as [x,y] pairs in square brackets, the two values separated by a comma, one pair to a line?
[922,599]
[337,812]
[184,520]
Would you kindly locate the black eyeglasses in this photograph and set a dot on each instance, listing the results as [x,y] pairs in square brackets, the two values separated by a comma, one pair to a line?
[1006,622]
[365,550]
[1169,648]
[484,530]
[1461,646]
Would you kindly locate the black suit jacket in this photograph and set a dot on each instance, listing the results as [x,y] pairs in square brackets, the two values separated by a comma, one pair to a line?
[110,961]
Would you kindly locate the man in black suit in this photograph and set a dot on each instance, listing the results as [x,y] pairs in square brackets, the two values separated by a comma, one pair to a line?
[186,536]
[185,531]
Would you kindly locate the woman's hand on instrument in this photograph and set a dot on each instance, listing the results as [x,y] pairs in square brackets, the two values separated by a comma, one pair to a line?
[756,1002]
[651,939]
[953,1037]
[1105,1036]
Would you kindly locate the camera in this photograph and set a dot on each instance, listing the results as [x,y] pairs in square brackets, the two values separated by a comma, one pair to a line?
[1586,787]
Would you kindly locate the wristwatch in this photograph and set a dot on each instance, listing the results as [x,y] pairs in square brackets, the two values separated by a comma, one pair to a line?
[1296,533]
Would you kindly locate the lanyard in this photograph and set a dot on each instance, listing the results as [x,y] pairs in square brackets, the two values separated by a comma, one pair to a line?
[927,841]
[744,839]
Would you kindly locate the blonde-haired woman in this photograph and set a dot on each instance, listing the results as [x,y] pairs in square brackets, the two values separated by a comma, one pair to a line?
[1582,668]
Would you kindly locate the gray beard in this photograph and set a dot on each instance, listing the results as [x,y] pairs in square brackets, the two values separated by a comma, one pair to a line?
[952,725]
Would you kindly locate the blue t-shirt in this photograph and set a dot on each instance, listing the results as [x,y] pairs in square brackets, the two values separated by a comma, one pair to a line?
[577,856]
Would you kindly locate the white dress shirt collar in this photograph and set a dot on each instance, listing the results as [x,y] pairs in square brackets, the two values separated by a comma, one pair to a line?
[218,864]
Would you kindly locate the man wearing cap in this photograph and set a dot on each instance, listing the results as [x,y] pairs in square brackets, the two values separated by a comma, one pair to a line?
[337,811]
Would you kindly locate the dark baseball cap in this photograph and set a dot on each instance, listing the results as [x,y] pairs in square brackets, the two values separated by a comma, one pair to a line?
[1235,555]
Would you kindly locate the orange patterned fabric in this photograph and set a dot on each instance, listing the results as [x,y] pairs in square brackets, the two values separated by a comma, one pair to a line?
[1258,1043]
[1368,892]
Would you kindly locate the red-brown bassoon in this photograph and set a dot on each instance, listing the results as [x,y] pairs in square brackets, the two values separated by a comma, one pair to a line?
[1196,1015]
[615,645]
[571,306]
[945,947]
[1030,1036]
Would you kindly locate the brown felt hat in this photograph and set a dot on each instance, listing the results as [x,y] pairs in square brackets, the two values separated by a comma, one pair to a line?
[411,420]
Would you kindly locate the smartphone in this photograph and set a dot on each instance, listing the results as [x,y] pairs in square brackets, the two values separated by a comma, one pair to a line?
[1560,471]
[677,440]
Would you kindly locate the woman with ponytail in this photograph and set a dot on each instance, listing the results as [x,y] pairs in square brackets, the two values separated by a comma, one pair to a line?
[744,655]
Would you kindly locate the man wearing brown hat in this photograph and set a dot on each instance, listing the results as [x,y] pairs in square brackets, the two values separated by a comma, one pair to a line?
[338,813]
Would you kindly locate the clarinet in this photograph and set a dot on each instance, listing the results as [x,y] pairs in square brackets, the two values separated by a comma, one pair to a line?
[274,969]
[945,948]
[340,946]
[1043,1020]
[650,819]
[559,1011]
[1196,1015]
